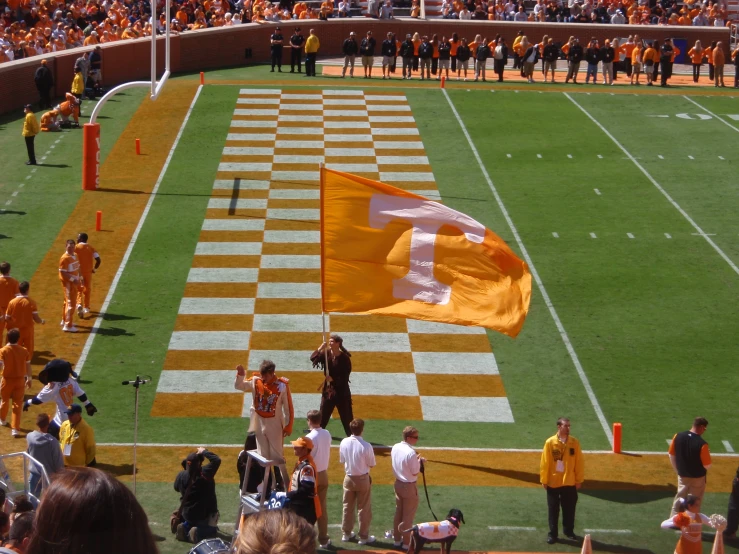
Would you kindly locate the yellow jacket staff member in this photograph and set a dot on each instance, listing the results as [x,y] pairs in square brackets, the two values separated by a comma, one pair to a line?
[77,439]
[31,128]
[561,473]
[312,44]
[78,84]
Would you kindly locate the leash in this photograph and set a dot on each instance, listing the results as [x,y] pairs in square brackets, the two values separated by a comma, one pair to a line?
[423,474]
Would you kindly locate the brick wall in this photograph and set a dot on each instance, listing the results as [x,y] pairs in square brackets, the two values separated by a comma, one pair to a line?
[225,47]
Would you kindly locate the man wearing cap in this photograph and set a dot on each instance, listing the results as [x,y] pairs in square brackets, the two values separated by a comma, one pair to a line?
[312,44]
[275,42]
[77,439]
[31,128]
[296,45]
[96,66]
[44,82]
[302,494]
[350,49]
[271,414]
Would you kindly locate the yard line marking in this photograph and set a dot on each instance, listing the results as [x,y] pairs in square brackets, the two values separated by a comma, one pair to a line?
[569,156]
[616,531]
[630,235]
[98,321]
[690,157]
[509,528]
[57,141]
[20,186]
[709,112]
[669,198]
[597,192]
[667,235]
[8,203]
[703,234]
[720,157]
[727,446]
[28,176]
[660,156]
[538,156]
[600,157]
[508,155]
[14,194]
[592,236]
[555,235]
[560,327]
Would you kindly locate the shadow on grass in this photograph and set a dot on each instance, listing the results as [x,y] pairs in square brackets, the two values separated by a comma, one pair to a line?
[605,490]
[113,332]
[5,237]
[42,357]
[599,546]
[118,317]
[117,470]
[11,212]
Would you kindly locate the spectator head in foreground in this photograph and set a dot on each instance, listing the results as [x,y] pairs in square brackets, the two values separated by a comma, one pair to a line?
[20,532]
[276,532]
[88,510]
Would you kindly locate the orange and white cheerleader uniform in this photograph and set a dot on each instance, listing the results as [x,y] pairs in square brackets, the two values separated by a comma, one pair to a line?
[691,531]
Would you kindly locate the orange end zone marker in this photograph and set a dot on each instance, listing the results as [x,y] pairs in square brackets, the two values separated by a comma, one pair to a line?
[617,438]
[202,78]
[138,147]
[443,81]
[98,220]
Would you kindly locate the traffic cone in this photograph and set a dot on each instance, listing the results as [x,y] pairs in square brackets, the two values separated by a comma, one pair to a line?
[587,548]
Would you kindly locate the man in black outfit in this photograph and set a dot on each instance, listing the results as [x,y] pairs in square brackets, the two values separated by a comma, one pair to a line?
[296,45]
[276,41]
[500,58]
[665,61]
[336,392]
[44,82]
[690,458]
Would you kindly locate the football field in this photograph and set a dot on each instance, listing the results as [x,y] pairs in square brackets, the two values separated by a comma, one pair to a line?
[623,206]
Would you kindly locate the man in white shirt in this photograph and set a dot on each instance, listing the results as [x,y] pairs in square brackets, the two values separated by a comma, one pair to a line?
[321,453]
[406,464]
[358,457]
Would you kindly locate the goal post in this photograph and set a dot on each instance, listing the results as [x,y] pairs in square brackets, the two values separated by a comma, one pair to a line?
[91,130]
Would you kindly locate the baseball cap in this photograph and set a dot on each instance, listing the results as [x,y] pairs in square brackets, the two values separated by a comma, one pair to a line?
[74,409]
[352,34]
[28,107]
[303,442]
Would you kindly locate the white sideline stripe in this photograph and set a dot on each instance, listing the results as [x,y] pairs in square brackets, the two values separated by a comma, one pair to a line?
[228,184]
[509,528]
[287,322]
[727,446]
[387,97]
[307,214]
[289,290]
[292,236]
[209,340]
[449,363]
[605,531]
[252,203]
[426,327]
[715,246]
[296,176]
[547,300]
[219,306]
[299,144]
[114,285]
[197,381]
[228,249]
[280,261]
[294,194]
[348,138]
[451,408]
[222,275]
[387,447]
[709,112]
[233,225]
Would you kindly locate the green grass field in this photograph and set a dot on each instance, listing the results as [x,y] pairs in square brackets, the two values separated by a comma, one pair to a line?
[625,206]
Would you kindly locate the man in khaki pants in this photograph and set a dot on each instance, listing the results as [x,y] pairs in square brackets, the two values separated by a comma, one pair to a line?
[321,453]
[406,467]
[358,457]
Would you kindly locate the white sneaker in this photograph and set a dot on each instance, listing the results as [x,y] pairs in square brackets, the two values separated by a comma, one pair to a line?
[79,310]
[70,329]
[368,540]
[15,433]
[4,423]
[398,544]
[347,538]
[86,311]
[328,543]
[62,323]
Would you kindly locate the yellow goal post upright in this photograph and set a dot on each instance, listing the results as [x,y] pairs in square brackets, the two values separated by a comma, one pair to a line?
[91,130]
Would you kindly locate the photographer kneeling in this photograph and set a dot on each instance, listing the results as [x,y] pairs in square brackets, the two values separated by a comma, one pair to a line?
[199,506]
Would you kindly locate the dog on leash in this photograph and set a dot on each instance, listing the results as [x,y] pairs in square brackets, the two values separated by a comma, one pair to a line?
[444,532]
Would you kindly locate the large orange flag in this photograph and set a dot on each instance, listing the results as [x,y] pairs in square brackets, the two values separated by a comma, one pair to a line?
[387,251]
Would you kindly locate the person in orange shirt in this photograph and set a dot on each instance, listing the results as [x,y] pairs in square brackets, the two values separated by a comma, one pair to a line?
[69,275]
[696,58]
[709,58]
[636,62]
[454,42]
[649,58]
[690,521]
[86,254]
[67,108]
[719,59]
[8,291]
[49,122]
[21,314]
[15,362]
[416,43]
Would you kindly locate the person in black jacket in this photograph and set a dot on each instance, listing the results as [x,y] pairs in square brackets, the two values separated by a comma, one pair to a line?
[296,47]
[350,49]
[550,55]
[607,55]
[367,50]
[574,57]
[481,59]
[445,49]
[44,82]
[199,505]
[275,41]
[732,515]
[425,53]
[735,55]
[406,52]
[336,392]
[592,56]
[500,58]
[389,51]
[665,61]
[463,58]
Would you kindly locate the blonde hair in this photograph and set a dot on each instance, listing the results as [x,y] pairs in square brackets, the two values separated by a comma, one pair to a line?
[276,532]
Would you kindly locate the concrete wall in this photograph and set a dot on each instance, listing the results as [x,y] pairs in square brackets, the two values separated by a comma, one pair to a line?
[213,48]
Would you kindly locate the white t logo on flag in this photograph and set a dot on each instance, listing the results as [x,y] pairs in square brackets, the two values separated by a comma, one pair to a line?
[427,217]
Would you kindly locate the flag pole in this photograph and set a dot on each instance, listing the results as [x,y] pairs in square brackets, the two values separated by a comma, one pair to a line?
[321,168]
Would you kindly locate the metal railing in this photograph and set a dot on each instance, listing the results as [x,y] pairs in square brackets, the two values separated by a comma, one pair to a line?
[9,479]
